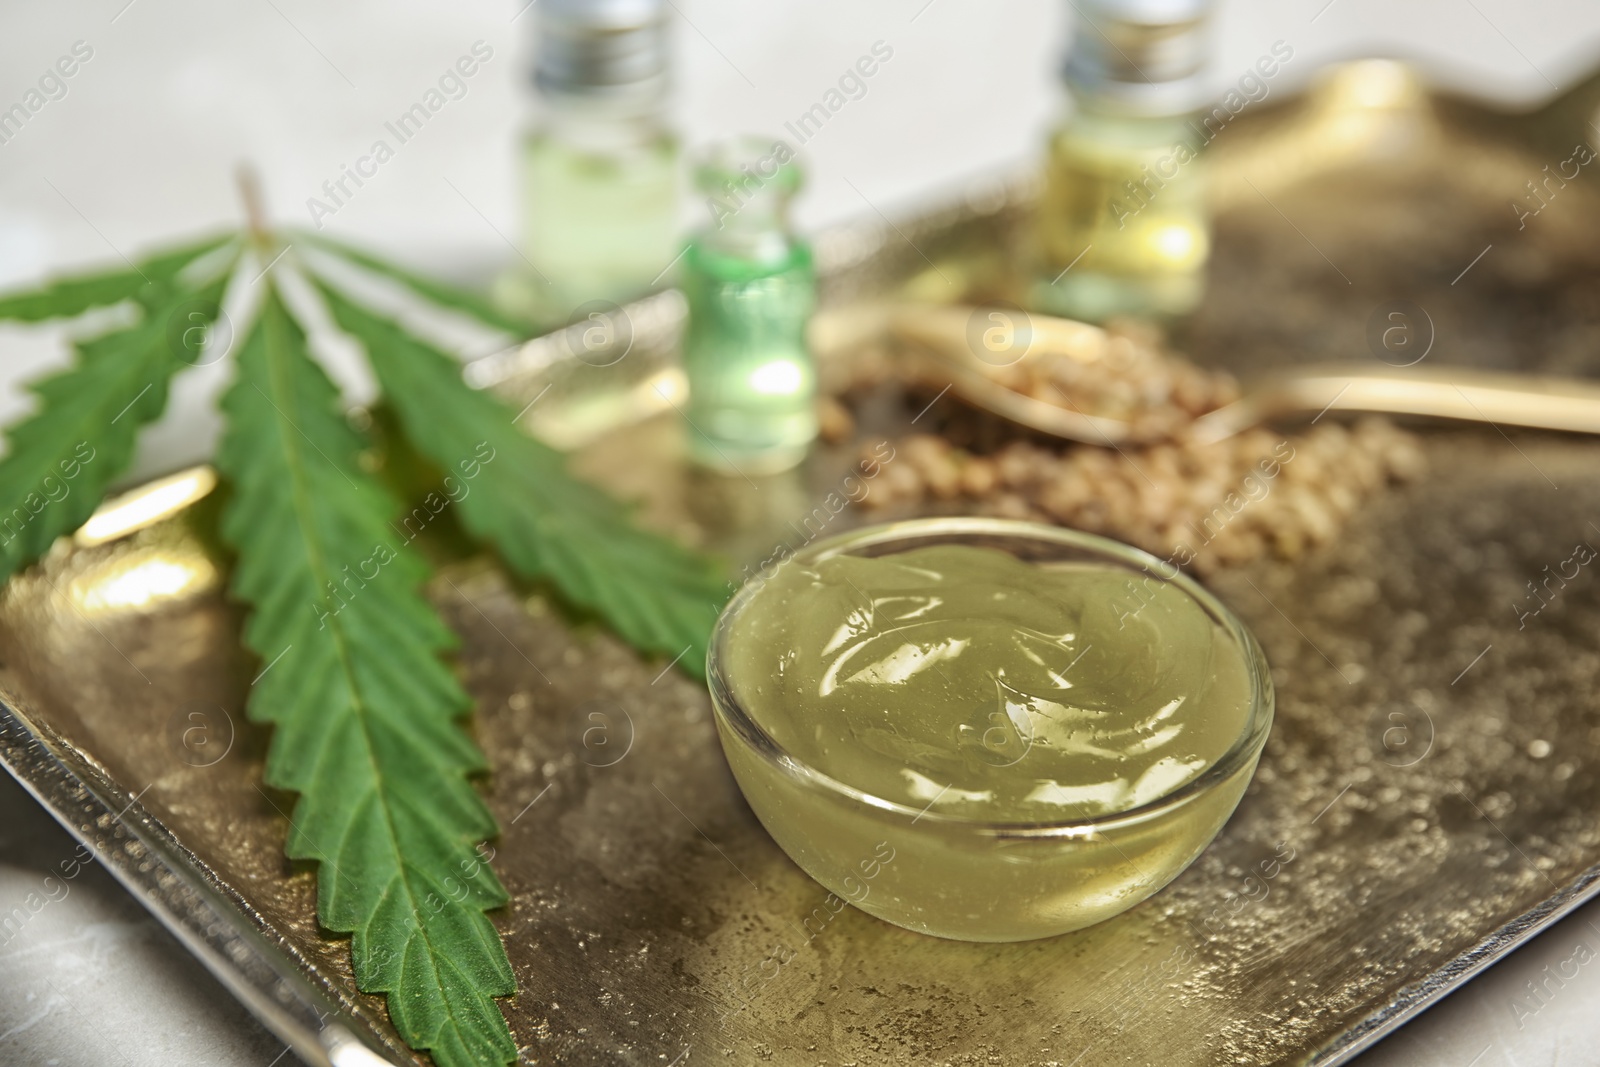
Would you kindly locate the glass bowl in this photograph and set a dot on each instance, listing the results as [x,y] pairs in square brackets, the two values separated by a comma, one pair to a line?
[951,875]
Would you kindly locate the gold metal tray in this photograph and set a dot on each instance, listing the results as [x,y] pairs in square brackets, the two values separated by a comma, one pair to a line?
[1430,795]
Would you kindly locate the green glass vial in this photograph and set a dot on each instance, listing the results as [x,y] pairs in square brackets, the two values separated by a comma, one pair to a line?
[751,288]
[600,168]
[1123,227]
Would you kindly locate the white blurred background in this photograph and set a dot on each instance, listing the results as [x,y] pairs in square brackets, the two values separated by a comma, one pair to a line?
[178,91]
[144,143]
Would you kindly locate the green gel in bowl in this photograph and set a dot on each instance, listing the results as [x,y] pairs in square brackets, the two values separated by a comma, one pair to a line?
[984,729]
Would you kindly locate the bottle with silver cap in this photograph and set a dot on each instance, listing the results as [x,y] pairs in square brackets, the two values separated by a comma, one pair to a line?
[601,171]
[1123,227]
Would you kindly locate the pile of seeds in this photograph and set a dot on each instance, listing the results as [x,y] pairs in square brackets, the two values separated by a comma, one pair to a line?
[1129,378]
[1201,506]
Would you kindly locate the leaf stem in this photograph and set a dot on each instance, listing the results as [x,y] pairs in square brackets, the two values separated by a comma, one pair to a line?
[255,211]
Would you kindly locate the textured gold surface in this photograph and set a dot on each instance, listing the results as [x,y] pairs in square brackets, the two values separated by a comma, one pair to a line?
[1433,776]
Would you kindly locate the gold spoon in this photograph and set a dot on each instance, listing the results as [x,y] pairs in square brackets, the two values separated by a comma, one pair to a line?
[967,344]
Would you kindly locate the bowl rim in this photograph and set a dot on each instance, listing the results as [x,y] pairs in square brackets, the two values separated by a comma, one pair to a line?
[1245,750]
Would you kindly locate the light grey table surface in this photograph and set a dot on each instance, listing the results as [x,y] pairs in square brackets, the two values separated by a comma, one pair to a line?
[143,145]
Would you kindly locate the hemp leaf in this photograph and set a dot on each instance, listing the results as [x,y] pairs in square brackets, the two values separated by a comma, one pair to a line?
[365,709]
[67,298]
[60,461]
[440,293]
[545,523]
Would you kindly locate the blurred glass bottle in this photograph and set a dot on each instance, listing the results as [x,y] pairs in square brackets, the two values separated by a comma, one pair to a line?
[751,288]
[600,168]
[1123,227]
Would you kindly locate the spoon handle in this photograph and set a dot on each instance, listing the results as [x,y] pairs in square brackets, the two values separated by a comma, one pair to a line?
[1492,397]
